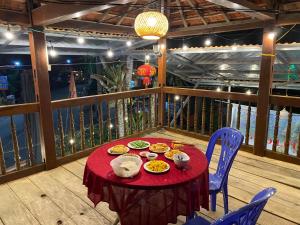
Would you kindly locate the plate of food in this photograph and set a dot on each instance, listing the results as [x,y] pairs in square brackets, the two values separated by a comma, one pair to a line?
[138,144]
[159,148]
[171,153]
[118,150]
[156,166]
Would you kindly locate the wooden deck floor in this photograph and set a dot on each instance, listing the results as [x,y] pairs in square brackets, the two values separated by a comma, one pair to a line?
[58,196]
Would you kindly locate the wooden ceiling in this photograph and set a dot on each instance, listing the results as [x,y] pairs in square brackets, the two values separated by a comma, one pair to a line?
[186,17]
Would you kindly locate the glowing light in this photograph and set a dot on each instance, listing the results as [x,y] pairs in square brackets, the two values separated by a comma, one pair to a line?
[126,118]
[111,126]
[72,141]
[9,35]
[17,63]
[52,52]
[147,57]
[69,61]
[207,42]
[218,89]
[234,47]
[271,35]
[184,47]
[128,43]
[248,92]
[80,40]
[110,53]
[224,66]
[177,97]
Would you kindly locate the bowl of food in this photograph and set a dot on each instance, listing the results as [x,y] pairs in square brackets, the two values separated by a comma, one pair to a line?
[126,166]
[181,160]
[171,153]
[151,156]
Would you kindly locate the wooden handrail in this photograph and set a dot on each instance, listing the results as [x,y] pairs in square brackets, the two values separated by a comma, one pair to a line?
[97,98]
[210,94]
[19,109]
[285,101]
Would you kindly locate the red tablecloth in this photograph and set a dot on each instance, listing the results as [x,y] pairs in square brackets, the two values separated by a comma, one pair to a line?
[148,199]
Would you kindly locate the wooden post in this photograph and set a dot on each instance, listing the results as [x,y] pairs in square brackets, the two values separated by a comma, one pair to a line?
[264,91]
[162,64]
[39,61]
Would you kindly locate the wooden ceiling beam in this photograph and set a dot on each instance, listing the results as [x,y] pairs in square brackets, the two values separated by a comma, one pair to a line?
[249,7]
[288,19]
[192,4]
[53,13]
[88,26]
[217,28]
[13,17]
[185,24]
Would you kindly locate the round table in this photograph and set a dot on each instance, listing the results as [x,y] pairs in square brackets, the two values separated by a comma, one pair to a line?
[148,199]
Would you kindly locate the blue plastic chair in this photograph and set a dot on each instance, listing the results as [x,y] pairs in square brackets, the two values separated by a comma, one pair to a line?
[231,140]
[247,215]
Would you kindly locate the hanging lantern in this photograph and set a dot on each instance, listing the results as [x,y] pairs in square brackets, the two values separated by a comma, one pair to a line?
[151,25]
[146,81]
[146,71]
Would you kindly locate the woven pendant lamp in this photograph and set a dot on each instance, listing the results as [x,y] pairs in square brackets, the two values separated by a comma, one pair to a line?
[151,25]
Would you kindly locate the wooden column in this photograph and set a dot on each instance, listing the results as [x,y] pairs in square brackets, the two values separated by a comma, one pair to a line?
[264,91]
[39,61]
[162,65]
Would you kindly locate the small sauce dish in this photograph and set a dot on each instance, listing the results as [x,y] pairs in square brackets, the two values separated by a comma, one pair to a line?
[151,156]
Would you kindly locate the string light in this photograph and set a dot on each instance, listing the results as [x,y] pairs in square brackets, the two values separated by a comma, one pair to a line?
[234,47]
[111,126]
[80,40]
[52,52]
[128,43]
[184,47]
[147,57]
[248,92]
[8,34]
[72,141]
[207,42]
[110,53]
[218,89]
[271,35]
[68,61]
[176,97]
[17,63]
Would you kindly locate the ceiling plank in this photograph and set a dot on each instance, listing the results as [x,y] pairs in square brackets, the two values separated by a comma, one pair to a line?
[217,28]
[94,27]
[181,14]
[249,7]
[124,16]
[288,19]
[13,17]
[191,3]
[53,13]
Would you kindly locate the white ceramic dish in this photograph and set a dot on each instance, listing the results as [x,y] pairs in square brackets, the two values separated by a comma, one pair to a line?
[181,160]
[133,147]
[151,156]
[151,171]
[119,168]
[109,151]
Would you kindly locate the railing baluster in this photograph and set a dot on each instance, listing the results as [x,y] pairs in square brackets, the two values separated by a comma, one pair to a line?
[72,130]
[130,116]
[248,124]
[288,133]
[155,109]
[149,114]
[29,141]
[15,143]
[276,127]
[196,115]
[211,117]
[169,110]
[203,115]
[188,116]
[100,123]
[82,130]
[144,113]
[124,117]
[2,163]
[229,114]
[181,112]
[137,115]
[109,125]
[61,133]
[174,112]
[220,114]
[116,119]
[238,121]
[92,138]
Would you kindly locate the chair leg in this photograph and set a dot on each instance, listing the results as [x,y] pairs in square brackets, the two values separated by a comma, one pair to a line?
[192,216]
[213,202]
[225,198]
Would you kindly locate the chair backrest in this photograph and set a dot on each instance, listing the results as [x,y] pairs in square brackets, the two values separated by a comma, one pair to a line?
[231,140]
[249,214]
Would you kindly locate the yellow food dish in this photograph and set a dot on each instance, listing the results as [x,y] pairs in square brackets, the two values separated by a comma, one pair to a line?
[157,166]
[170,154]
[118,149]
[159,148]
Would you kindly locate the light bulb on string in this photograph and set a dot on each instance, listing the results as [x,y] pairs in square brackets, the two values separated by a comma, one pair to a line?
[248,92]
[147,58]
[207,42]
[52,52]
[234,47]
[128,43]
[218,89]
[184,47]
[176,97]
[8,34]
[110,53]
[271,35]
[80,40]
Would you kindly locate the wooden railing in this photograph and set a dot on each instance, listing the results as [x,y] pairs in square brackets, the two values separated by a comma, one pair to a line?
[81,124]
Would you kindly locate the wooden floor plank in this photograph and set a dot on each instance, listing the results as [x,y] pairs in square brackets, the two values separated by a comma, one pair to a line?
[12,211]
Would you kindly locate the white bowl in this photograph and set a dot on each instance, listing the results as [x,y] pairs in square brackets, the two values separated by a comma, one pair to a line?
[151,155]
[126,166]
[181,160]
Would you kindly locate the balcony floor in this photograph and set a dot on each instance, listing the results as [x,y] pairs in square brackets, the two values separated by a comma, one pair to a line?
[58,196]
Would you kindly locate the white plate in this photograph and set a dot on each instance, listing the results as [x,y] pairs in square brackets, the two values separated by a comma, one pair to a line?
[166,150]
[115,153]
[132,147]
[150,171]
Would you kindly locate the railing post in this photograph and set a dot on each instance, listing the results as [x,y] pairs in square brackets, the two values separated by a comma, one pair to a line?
[39,61]
[162,64]
[264,91]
